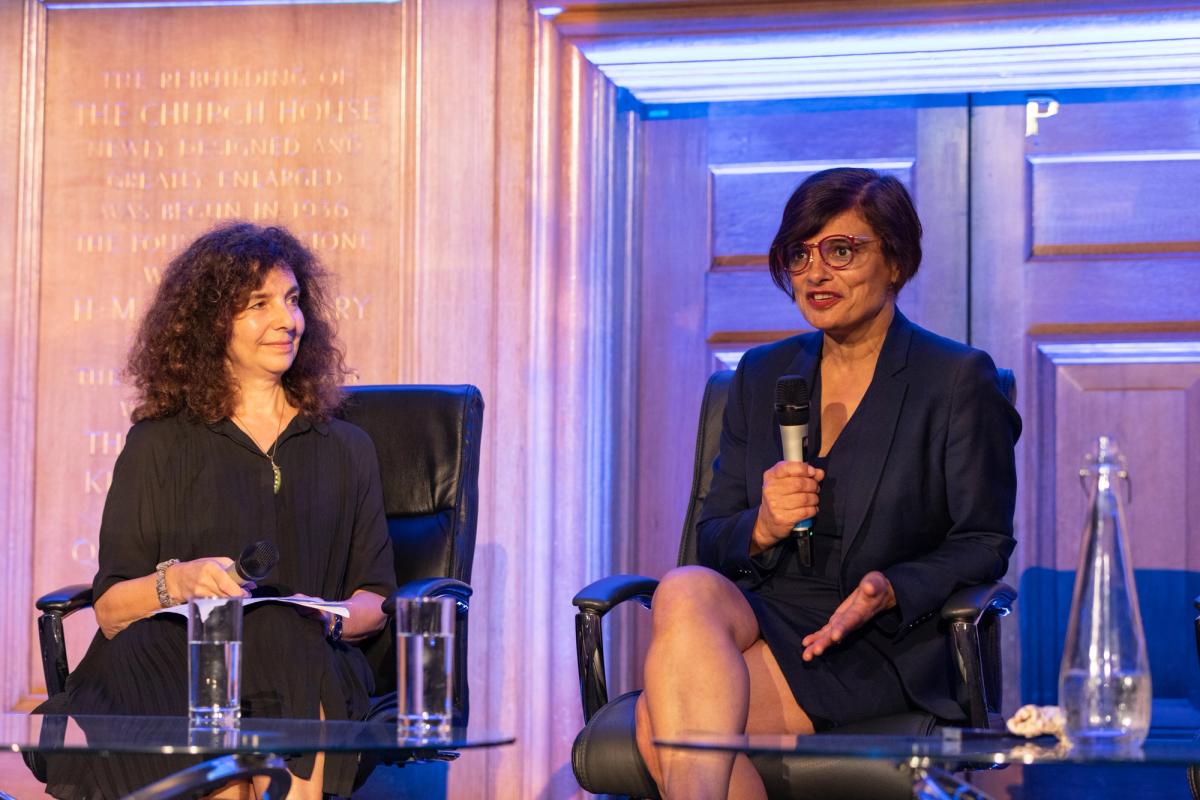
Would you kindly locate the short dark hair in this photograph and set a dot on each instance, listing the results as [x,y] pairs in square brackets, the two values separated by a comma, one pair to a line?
[881,199]
[178,360]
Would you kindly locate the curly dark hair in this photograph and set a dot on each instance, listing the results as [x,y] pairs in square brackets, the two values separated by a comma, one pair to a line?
[881,199]
[178,360]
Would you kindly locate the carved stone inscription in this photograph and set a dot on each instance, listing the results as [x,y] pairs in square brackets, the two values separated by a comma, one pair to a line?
[159,124]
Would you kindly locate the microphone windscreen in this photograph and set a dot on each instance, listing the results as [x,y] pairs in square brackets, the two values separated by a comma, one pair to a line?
[791,400]
[257,560]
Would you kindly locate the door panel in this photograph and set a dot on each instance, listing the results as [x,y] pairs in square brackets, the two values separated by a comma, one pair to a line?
[1086,279]
[714,182]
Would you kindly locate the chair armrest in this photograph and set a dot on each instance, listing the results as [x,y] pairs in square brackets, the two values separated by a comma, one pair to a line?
[972,614]
[65,600]
[971,602]
[593,602]
[55,607]
[431,587]
[604,595]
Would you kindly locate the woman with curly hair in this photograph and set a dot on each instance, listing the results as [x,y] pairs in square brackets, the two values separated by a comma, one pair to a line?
[234,441]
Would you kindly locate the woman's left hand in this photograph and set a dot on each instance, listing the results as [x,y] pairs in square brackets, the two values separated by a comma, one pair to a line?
[873,594]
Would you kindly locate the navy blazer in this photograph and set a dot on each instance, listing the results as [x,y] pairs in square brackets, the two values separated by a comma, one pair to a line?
[931,498]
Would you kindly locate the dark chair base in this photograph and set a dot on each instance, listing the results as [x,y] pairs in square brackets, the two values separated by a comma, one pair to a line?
[606,760]
[218,772]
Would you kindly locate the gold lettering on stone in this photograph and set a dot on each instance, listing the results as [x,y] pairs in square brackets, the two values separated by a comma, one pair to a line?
[338,145]
[331,240]
[101,115]
[232,78]
[339,111]
[95,243]
[84,551]
[105,443]
[198,113]
[123,311]
[265,209]
[125,148]
[157,242]
[122,211]
[301,177]
[121,79]
[97,376]
[97,482]
[350,306]
[324,209]
[206,209]
[84,309]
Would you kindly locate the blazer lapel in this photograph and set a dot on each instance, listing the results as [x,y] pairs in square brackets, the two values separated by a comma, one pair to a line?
[883,405]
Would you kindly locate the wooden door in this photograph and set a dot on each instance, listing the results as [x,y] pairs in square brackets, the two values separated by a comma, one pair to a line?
[1085,253]
[714,182]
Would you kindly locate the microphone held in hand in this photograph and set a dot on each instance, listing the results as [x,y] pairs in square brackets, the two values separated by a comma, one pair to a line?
[791,407]
[255,562]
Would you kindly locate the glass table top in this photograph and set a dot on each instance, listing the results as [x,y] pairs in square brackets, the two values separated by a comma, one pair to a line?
[960,746]
[167,735]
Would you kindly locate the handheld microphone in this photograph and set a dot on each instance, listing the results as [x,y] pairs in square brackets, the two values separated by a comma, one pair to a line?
[255,563]
[791,406]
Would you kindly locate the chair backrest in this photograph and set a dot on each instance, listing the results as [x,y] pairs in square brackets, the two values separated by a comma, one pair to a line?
[708,444]
[427,439]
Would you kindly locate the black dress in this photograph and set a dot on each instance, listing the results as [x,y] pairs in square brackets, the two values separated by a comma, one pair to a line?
[921,486]
[184,489]
[853,680]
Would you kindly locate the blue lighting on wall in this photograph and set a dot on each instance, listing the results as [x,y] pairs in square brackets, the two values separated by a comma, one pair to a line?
[865,59]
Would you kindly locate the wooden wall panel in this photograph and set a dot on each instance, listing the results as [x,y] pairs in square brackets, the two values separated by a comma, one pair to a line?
[748,200]
[747,298]
[759,153]
[204,114]
[21,52]
[673,362]
[1114,203]
[1089,294]
[1144,391]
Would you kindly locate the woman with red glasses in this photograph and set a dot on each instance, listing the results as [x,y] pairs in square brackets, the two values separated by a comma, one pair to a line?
[910,485]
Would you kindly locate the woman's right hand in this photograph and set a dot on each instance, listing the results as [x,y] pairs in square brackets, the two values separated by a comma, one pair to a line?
[789,494]
[203,577]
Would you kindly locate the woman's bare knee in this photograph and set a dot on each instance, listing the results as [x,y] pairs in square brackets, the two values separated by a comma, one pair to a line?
[694,597]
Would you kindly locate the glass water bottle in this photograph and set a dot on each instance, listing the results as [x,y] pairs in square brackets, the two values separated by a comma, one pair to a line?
[1104,681]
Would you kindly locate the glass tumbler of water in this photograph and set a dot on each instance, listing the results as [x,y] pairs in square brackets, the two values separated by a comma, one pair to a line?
[215,661]
[425,663]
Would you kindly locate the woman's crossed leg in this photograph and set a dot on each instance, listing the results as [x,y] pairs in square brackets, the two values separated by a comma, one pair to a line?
[708,669]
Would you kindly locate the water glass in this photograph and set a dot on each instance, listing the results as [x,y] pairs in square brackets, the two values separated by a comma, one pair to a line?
[215,661]
[425,664]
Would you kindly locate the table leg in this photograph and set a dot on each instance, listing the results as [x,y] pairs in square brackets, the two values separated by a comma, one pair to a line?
[216,773]
[933,783]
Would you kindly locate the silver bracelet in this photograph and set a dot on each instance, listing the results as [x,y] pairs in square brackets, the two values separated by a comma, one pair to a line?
[160,582]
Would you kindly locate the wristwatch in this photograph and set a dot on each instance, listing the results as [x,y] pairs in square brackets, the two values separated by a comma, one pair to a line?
[160,581]
[334,633]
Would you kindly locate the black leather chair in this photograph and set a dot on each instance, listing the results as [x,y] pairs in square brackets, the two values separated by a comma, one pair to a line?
[428,440]
[605,757]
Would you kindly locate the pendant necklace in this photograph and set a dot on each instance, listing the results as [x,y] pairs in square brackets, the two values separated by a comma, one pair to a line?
[270,454]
